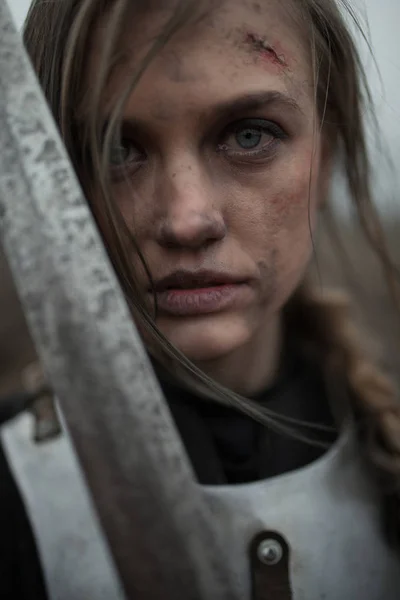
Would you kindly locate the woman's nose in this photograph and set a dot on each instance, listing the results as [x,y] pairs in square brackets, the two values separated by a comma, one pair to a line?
[191,215]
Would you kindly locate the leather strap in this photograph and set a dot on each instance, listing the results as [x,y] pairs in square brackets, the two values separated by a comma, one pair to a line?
[269,559]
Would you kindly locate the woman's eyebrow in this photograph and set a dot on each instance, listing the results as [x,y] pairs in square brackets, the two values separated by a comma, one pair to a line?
[255,101]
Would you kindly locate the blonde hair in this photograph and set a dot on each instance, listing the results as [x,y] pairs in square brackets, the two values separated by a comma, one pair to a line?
[57,36]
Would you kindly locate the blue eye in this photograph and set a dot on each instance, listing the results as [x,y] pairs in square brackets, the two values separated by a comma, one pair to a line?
[124,154]
[249,138]
[119,155]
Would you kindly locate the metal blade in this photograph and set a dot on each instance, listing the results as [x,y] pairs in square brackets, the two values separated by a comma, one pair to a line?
[160,531]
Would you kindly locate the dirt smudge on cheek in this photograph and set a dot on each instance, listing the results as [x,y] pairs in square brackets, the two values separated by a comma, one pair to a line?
[268,270]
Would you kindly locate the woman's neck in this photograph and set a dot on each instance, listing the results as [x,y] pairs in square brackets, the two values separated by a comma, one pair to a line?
[253,367]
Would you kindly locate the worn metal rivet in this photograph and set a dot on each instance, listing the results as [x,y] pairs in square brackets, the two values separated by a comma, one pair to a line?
[270,552]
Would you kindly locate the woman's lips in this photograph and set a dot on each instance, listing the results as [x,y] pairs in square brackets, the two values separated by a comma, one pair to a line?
[202,300]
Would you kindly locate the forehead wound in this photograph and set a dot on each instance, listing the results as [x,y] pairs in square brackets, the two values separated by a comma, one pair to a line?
[261,47]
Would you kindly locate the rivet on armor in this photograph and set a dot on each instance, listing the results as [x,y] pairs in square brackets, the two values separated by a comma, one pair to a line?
[270,552]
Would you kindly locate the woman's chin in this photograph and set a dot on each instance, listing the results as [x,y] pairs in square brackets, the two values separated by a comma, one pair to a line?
[206,338]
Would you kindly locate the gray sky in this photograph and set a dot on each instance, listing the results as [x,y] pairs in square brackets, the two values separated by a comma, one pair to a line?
[383,18]
[19,9]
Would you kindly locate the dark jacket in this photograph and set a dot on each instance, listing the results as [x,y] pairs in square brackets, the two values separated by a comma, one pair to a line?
[21,576]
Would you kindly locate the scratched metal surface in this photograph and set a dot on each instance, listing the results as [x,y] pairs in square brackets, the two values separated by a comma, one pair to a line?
[161,537]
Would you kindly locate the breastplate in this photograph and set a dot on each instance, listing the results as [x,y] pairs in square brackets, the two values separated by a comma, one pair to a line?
[328,515]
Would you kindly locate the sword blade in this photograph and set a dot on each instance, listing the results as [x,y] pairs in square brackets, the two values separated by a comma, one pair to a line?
[159,529]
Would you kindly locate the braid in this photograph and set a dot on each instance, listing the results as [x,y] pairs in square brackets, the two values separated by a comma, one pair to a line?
[322,324]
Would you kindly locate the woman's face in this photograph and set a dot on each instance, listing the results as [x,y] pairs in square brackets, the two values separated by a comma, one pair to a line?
[222,150]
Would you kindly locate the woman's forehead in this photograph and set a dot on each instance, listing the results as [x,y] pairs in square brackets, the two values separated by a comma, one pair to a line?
[228,42]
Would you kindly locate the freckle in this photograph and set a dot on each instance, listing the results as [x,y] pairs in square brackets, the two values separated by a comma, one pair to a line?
[173,175]
[257,7]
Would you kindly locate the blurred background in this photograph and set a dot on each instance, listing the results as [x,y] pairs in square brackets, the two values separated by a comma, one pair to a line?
[353,266]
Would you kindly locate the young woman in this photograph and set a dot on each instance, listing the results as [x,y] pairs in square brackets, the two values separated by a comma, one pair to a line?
[205,135]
